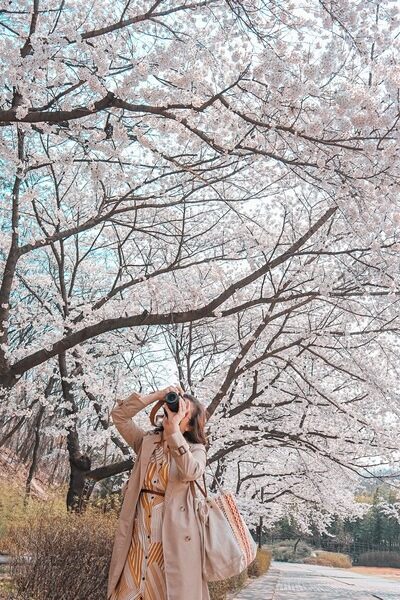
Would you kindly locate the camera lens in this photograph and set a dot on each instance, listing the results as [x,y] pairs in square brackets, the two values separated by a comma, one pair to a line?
[172,399]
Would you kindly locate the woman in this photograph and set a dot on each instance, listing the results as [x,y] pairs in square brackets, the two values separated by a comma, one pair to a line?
[157,553]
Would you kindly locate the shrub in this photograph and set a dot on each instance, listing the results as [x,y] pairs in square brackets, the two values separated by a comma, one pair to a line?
[237,582]
[218,589]
[284,551]
[314,560]
[261,563]
[58,557]
[13,512]
[384,558]
[7,589]
[329,559]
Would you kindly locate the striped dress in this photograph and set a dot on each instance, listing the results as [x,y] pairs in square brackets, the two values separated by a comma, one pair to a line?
[143,576]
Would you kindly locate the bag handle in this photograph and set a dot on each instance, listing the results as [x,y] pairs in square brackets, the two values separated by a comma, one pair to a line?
[204,492]
[205,485]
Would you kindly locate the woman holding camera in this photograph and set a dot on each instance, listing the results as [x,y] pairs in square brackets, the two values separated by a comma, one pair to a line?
[157,551]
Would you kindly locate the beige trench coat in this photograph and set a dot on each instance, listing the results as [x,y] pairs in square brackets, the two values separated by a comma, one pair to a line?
[180,532]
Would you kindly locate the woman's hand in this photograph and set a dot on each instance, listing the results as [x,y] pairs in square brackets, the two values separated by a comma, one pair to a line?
[172,419]
[160,394]
[171,388]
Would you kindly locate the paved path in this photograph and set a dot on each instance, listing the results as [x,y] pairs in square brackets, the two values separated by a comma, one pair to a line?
[286,581]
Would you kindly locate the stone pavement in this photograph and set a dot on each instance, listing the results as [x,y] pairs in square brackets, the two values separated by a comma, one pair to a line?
[286,581]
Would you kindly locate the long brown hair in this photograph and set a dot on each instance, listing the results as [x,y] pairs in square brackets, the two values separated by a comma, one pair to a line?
[197,422]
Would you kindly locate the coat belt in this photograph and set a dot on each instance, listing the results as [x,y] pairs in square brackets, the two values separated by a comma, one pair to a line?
[152,492]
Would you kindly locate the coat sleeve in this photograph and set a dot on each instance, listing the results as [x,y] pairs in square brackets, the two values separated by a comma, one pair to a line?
[122,415]
[191,464]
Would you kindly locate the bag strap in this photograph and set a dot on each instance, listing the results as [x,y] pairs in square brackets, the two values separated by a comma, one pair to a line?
[216,480]
[205,485]
[204,492]
[155,410]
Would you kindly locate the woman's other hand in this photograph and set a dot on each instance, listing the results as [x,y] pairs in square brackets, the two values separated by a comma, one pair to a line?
[171,388]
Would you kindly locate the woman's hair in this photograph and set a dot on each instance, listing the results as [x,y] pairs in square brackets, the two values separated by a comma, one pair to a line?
[197,422]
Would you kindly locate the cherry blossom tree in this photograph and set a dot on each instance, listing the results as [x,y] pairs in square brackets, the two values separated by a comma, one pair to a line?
[215,184]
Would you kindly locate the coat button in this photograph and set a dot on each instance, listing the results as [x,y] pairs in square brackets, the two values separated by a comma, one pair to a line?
[183,508]
[187,538]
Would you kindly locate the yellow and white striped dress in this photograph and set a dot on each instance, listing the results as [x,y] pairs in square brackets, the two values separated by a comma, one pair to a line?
[143,576]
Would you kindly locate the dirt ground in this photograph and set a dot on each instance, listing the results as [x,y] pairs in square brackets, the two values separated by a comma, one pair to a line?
[380,571]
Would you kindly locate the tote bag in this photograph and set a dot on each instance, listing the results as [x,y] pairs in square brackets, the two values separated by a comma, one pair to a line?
[226,542]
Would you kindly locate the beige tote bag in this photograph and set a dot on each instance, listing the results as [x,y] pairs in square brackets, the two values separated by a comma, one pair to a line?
[227,544]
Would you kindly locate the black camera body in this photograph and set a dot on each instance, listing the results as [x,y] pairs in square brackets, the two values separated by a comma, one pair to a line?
[172,400]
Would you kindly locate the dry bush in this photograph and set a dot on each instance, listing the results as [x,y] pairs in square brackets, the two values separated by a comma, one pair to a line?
[14,514]
[290,550]
[314,560]
[384,558]
[329,559]
[59,557]
[218,589]
[237,582]
[261,563]
[7,589]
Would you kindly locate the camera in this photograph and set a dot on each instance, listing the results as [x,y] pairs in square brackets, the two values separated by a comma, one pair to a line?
[172,399]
